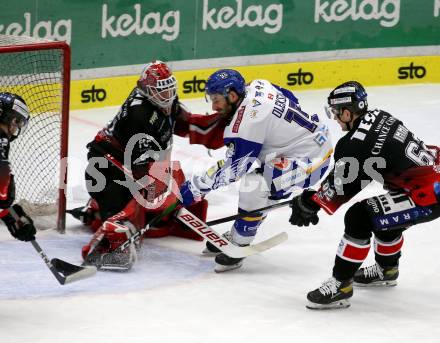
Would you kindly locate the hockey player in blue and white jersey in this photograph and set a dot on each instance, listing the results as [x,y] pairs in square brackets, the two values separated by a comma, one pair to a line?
[273,145]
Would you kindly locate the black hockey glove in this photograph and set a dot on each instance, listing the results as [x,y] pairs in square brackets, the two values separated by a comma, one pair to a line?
[304,210]
[23,229]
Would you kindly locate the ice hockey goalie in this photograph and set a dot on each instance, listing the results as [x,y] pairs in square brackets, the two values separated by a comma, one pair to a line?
[139,138]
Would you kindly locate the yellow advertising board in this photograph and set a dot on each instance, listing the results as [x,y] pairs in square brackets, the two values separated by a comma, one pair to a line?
[112,91]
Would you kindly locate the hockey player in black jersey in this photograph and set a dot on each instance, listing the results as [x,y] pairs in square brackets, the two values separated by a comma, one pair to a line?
[378,147]
[14,117]
[139,137]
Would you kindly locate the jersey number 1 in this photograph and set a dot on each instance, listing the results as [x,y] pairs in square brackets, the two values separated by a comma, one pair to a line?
[301,118]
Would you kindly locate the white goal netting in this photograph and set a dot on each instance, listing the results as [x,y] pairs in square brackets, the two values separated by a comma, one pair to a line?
[36,70]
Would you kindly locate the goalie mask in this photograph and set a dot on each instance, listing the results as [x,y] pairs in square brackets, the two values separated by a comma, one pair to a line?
[158,84]
[350,95]
[14,113]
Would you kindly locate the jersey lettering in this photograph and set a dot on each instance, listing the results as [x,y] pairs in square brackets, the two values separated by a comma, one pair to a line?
[294,113]
[365,126]
[418,155]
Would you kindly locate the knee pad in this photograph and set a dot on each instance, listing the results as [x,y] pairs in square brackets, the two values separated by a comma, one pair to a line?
[358,222]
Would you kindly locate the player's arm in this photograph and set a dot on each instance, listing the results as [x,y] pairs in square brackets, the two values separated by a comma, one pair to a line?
[204,129]
[23,230]
[344,181]
[340,185]
[240,156]
[7,185]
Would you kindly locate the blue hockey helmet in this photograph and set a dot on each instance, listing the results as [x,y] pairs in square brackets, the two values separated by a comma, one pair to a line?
[350,95]
[225,80]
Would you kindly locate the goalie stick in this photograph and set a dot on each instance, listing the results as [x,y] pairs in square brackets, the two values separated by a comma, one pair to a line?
[195,224]
[63,271]
[235,251]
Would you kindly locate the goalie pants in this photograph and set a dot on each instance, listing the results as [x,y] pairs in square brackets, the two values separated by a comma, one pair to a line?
[384,216]
[100,178]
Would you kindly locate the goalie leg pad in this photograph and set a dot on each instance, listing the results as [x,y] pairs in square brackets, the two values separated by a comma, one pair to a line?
[107,239]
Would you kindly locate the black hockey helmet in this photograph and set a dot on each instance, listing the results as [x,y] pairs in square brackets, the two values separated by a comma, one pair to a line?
[350,95]
[14,111]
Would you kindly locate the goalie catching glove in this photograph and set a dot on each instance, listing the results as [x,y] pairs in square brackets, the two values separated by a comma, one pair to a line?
[23,228]
[304,210]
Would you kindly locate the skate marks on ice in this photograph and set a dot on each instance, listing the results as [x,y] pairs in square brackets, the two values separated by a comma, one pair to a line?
[24,276]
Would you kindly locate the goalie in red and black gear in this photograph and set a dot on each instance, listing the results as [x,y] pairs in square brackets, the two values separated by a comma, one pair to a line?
[140,138]
[14,117]
[377,147]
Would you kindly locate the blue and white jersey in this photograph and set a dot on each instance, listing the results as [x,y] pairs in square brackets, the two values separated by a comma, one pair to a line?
[268,126]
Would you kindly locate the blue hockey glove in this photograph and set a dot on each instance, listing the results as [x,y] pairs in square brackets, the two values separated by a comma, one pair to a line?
[189,194]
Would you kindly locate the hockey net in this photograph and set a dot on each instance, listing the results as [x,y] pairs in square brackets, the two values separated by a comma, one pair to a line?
[39,71]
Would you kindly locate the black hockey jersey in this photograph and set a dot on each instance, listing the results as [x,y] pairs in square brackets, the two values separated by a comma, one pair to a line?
[140,128]
[379,147]
[7,194]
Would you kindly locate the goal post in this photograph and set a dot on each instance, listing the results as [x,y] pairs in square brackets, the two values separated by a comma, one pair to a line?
[39,71]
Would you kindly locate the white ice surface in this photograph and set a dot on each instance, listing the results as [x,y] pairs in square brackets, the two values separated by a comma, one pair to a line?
[172,293]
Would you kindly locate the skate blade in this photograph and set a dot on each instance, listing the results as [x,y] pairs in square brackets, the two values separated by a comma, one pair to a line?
[219,268]
[209,253]
[390,283]
[115,268]
[334,305]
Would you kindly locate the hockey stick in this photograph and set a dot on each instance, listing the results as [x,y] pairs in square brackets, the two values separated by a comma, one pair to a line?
[63,271]
[235,216]
[197,225]
[201,228]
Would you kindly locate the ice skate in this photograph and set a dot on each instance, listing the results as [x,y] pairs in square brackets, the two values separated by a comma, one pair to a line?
[211,249]
[376,276]
[225,263]
[330,295]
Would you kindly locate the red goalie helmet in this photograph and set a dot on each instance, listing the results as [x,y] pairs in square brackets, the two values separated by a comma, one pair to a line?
[158,84]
